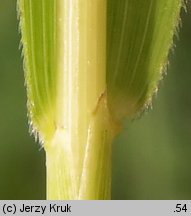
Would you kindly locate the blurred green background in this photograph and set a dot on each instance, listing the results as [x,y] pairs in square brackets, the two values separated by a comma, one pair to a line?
[152,156]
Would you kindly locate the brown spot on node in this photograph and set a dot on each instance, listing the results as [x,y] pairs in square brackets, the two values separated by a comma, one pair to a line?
[101,99]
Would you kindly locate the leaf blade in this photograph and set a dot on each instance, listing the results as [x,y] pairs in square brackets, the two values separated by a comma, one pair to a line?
[140,34]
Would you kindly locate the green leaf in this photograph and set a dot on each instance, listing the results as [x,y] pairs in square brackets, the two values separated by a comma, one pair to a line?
[140,34]
[39,46]
[88,64]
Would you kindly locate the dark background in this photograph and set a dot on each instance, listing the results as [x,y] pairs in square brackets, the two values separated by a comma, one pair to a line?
[152,156]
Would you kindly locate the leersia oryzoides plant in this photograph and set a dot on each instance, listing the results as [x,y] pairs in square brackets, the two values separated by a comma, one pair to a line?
[88,65]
